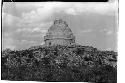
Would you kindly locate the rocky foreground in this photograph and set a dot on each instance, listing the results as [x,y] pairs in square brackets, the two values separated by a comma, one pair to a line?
[59,63]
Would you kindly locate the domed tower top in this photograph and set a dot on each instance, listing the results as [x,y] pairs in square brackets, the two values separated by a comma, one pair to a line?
[60,22]
[59,30]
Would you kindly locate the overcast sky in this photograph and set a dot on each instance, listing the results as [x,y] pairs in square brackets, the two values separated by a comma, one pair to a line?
[24,24]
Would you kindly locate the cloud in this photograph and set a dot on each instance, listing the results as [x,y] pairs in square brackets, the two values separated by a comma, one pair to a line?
[47,9]
[8,19]
[15,31]
[39,30]
[107,31]
[7,43]
[32,30]
[71,11]
[26,41]
[17,9]
[100,8]
[38,15]
[87,30]
[109,8]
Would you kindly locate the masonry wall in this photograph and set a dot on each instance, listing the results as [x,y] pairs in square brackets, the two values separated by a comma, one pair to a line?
[59,42]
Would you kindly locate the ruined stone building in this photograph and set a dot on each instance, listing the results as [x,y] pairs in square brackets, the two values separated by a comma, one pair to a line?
[59,34]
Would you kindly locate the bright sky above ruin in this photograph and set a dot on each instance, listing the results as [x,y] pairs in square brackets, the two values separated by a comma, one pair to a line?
[93,24]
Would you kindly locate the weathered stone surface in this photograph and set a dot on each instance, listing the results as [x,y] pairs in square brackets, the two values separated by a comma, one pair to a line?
[59,34]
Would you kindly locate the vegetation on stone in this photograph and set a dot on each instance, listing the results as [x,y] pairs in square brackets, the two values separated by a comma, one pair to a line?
[60,63]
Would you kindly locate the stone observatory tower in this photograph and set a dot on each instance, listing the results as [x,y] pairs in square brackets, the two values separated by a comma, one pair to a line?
[59,34]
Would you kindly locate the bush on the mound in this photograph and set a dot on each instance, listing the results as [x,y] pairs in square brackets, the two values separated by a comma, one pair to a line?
[60,63]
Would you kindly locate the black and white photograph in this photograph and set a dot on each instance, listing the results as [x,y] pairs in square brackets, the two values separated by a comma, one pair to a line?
[59,41]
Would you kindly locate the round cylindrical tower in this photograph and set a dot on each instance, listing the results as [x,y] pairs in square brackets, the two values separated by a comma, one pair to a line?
[59,34]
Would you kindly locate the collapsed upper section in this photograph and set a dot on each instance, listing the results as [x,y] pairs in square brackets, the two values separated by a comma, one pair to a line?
[59,30]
